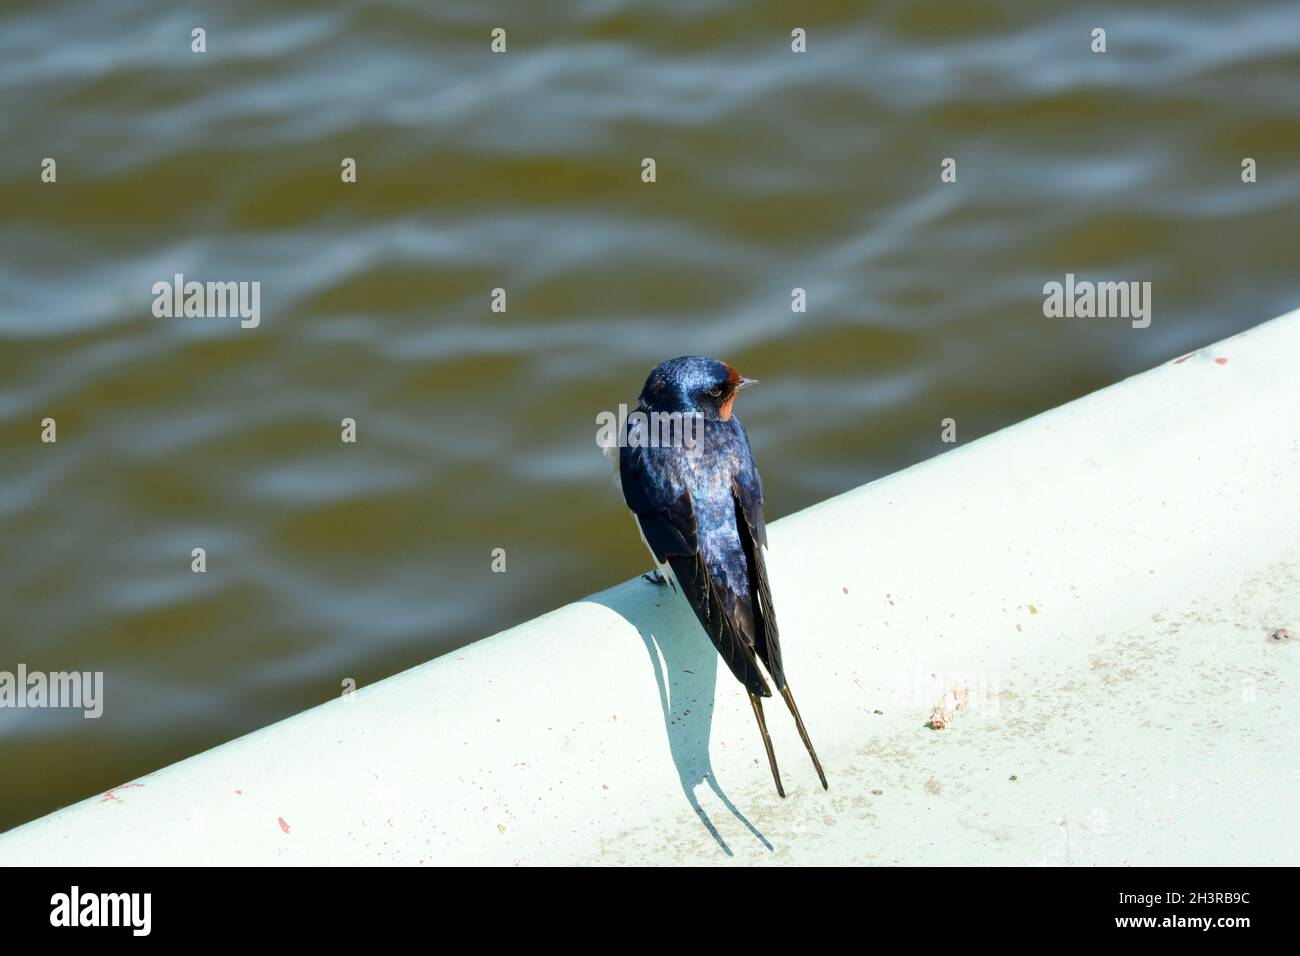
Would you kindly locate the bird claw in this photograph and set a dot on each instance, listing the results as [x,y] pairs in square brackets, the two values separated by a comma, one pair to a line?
[655,578]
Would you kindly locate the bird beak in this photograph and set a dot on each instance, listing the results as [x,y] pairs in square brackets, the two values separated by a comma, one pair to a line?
[746,382]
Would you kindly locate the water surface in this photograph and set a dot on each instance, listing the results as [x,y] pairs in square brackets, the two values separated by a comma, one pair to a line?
[521,171]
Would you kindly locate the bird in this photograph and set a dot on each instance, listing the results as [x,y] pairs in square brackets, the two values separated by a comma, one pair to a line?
[699,508]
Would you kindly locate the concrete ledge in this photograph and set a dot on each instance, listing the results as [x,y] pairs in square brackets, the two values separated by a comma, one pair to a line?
[1102,578]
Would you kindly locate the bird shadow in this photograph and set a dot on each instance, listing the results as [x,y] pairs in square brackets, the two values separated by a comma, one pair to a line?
[685,666]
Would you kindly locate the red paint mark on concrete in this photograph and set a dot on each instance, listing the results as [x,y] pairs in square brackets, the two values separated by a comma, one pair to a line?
[112,795]
[1180,361]
[1220,361]
[239,793]
[604,786]
[845,590]
[284,826]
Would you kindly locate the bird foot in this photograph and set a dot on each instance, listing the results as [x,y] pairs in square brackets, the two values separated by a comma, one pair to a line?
[655,578]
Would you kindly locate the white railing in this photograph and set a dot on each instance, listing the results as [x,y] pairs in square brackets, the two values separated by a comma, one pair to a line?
[1102,579]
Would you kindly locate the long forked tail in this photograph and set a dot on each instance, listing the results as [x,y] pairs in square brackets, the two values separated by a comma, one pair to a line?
[757,703]
[798,721]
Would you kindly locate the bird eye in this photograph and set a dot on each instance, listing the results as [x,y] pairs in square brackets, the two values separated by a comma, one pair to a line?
[715,392]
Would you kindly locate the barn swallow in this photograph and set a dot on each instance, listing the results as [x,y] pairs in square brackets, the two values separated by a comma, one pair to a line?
[700,512]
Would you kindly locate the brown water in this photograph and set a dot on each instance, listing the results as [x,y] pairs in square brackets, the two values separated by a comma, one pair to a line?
[522,170]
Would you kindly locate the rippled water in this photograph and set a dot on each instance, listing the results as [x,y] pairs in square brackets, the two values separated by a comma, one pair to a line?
[522,171]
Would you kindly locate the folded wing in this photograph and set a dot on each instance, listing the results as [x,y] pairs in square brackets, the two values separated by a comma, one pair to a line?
[666,514]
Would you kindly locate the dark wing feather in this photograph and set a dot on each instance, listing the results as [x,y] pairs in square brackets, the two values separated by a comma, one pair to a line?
[753,537]
[666,514]
[664,511]
[724,620]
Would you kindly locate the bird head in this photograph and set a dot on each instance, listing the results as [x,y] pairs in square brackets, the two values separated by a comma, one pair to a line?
[694,384]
